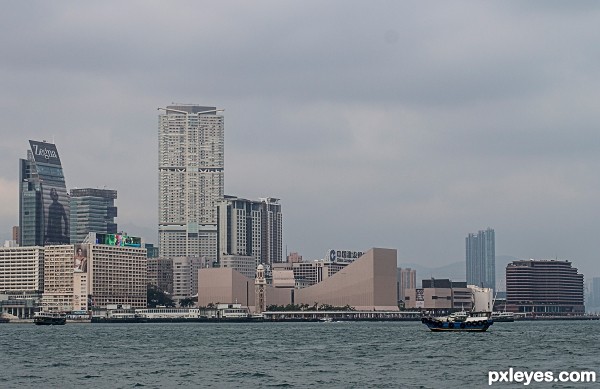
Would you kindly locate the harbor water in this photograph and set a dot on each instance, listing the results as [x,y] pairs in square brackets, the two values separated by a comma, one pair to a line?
[291,355]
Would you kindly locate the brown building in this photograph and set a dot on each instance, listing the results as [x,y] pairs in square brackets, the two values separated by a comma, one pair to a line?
[544,287]
[369,283]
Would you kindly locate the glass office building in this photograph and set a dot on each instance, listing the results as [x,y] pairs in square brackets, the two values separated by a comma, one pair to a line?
[43,197]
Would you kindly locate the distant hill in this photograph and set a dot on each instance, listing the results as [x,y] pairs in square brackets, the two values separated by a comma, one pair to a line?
[456,271]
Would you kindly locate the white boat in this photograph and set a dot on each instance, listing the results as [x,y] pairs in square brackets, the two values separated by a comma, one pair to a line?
[503,316]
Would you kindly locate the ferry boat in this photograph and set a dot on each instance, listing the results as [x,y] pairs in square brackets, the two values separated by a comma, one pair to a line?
[460,321]
[503,316]
[50,318]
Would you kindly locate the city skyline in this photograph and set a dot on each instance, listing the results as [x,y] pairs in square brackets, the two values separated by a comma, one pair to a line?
[400,125]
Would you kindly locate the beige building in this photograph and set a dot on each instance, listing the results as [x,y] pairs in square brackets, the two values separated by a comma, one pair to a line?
[22,269]
[225,286]
[118,275]
[21,280]
[369,283]
[59,279]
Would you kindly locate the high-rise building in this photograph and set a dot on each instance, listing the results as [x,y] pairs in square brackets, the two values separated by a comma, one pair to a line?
[240,228]
[43,197]
[594,297]
[191,180]
[544,287]
[272,233]
[481,259]
[92,210]
[406,279]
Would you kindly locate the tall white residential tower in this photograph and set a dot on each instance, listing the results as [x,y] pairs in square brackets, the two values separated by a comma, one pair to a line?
[191,151]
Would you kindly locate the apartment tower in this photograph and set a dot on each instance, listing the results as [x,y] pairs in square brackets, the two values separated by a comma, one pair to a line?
[272,228]
[481,259]
[191,180]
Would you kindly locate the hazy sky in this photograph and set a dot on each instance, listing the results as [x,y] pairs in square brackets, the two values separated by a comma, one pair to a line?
[378,123]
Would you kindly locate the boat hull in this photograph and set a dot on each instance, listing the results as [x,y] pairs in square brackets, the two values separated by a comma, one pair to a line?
[467,326]
[50,321]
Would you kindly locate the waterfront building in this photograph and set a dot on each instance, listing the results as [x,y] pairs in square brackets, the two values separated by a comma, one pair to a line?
[21,280]
[191,180]
[544,288]
[22,269]
[240,228]
[441,295]
[92,210]
[481,259]
[20,304]
[43,198]
[160,274]
[406,279]
[185,276]
[106,269]
[118,273]
[60,281]
[272,231]
[368,283]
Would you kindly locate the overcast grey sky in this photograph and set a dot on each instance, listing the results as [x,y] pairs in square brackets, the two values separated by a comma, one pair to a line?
[388,123]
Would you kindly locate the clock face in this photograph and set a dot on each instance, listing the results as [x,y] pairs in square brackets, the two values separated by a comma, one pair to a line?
[332,255]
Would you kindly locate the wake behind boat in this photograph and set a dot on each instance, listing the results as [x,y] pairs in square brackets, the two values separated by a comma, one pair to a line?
[460,321]
[50,318]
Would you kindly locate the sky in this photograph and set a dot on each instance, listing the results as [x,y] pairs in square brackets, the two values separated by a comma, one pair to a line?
[393,124]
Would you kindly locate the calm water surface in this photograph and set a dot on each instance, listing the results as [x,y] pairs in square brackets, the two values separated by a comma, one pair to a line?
[294,355]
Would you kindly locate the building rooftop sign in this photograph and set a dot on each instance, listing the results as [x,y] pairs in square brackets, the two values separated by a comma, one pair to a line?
[44,152]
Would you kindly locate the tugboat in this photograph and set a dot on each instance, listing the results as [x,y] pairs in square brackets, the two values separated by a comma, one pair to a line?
[50,319]
[460,321]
